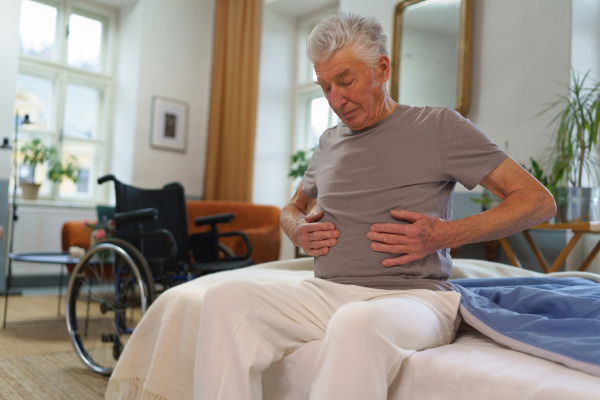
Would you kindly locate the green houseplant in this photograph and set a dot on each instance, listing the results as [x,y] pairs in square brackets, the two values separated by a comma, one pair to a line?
[36,153]
[574,156]
[299,163]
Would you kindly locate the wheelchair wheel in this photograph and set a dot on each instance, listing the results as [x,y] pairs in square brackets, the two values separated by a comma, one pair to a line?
[109,291]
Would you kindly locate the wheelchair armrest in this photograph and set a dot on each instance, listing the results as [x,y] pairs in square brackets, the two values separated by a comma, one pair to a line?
[144,214]
[214,219]
[246,242]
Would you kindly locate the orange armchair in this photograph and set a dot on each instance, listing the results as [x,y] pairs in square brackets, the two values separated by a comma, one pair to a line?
[259,222]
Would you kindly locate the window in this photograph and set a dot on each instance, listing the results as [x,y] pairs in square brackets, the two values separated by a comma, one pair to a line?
[313,114]
[65,80]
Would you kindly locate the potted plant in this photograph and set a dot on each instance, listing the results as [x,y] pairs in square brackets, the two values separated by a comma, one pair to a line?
[574,156]
[299,163]
[35,153]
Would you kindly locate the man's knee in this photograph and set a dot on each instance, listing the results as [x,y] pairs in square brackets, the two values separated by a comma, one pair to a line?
[354,323]
[228,296]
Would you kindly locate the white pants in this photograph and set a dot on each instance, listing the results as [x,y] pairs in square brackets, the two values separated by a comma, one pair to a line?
[367,333]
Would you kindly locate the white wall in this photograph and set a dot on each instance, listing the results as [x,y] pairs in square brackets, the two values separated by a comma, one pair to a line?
[586,37]
[127,84]
[174,44]
[274,121]
[521,57]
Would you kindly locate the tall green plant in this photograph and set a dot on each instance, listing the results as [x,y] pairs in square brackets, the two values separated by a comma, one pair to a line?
[576,135]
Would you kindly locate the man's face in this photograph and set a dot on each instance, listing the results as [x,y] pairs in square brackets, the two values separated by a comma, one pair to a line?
[353,88]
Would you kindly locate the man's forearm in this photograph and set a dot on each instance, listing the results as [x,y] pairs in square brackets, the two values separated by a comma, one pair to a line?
[519,211]
[290,215]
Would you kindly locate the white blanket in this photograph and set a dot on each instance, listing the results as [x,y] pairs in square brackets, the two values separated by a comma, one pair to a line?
[158,361]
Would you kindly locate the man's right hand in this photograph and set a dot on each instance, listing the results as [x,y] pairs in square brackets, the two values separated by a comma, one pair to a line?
[315,237]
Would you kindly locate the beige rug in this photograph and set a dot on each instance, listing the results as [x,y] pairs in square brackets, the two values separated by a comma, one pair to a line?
[49,376]
[37,359]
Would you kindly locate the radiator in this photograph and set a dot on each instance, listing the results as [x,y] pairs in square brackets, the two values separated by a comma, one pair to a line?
[38,229]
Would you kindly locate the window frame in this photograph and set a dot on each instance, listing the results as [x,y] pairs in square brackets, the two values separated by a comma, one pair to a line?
[63,74]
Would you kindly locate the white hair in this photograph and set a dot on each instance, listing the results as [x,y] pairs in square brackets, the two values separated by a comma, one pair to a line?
[333,33]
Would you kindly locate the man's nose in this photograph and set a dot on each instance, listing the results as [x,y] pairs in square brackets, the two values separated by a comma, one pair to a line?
[337,98]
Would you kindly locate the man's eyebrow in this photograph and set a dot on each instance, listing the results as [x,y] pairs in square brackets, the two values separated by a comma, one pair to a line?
[341,75]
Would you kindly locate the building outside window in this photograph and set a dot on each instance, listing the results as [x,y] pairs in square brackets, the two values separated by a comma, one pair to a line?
[64,84]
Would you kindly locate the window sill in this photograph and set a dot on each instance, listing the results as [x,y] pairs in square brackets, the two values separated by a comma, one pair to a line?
[46,203]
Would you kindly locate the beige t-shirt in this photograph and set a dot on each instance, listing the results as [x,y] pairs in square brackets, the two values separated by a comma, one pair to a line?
[411,160]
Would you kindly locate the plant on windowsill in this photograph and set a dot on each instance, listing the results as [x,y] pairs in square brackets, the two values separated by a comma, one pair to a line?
[35,153]
[575,150]
[298,164]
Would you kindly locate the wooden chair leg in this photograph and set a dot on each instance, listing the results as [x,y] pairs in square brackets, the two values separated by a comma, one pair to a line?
[590,257]
[536,251]
[565,252]
[509,253]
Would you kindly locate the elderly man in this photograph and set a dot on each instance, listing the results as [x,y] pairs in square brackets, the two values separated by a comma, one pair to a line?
[374,208]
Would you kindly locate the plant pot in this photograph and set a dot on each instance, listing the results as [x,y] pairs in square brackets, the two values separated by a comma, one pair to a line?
[577,204]
[29,190]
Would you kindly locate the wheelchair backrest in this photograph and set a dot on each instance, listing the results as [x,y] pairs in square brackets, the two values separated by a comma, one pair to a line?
[172,216]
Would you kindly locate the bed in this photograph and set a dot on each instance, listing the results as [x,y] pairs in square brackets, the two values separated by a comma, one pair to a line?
[158,361]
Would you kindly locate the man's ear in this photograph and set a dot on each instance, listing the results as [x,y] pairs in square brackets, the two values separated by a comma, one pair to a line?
[384,67]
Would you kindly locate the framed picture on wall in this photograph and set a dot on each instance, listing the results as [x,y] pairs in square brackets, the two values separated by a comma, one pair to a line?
[169,124]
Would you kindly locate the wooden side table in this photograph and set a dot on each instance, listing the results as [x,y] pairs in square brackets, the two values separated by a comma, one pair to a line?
[578,229]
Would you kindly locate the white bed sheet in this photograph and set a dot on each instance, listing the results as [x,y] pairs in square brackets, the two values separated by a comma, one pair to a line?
[158,361]
[472,368]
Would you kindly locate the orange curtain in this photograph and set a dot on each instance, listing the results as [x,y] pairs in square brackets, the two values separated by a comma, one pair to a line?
[234,94]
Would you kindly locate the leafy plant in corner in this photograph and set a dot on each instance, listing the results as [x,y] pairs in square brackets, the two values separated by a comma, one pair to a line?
[576,136]
[549,180]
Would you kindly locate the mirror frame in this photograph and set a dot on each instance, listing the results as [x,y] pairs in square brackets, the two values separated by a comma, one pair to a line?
[463,86]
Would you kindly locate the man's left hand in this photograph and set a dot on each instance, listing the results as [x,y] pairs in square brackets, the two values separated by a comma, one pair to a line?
[413,241]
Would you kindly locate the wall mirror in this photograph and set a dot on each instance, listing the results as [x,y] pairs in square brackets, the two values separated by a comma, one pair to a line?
[431,53]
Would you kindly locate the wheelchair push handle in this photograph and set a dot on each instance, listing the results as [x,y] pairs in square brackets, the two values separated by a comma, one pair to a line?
[106,178]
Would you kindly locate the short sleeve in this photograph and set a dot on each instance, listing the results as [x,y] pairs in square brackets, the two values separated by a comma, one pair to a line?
[467,154]
[309,181]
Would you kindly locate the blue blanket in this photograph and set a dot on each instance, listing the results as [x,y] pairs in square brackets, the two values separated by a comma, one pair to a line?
[553,318]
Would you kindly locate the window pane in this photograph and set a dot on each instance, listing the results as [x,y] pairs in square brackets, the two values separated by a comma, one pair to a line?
[37,29]
[85,43]
[33,102]
[319,118]
[84,154]
[81,112]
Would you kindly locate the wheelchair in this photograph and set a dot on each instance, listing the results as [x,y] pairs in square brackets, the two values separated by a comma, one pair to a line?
[117,279]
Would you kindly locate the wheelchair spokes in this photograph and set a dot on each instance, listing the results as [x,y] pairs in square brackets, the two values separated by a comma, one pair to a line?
[109,291]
